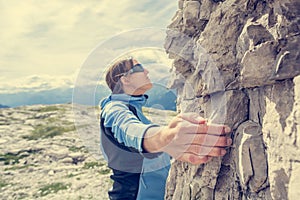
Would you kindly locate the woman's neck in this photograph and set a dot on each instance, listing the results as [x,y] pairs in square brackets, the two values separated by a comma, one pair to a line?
[136,92]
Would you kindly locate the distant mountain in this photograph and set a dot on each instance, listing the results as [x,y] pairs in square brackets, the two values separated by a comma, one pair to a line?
[3,106]
[158,97]
[161,98]
[52,96]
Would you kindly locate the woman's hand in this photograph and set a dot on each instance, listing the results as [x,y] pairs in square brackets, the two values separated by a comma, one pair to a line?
[189,138]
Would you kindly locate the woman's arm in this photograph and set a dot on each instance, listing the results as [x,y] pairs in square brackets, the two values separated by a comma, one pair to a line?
[125,126]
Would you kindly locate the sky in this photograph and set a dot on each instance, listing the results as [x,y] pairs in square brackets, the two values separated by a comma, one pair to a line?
[47,42]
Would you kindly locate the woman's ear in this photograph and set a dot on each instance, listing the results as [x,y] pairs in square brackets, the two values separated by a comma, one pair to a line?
[124,80]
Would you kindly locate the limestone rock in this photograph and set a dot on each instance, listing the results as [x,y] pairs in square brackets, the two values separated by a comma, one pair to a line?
[251,159]
[237,62]
[258,65]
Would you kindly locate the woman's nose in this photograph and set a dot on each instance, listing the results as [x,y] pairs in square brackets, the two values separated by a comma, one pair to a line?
[146,71]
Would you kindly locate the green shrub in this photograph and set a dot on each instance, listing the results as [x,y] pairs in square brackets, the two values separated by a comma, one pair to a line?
[89,165]
[50,108]
[53,188]
[104,171]
[77,149]
[48,131]
[72,175]
[11,158]
[3,183]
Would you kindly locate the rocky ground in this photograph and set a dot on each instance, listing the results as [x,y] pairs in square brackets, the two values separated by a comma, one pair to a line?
[52,152]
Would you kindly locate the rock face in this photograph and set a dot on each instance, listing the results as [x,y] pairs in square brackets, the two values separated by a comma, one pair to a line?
[238,62]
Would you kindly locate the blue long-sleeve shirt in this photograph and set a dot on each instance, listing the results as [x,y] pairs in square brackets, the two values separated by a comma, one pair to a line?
[130,130]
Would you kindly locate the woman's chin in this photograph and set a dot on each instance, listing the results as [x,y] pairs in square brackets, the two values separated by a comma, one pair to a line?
[149,85]
[146,87]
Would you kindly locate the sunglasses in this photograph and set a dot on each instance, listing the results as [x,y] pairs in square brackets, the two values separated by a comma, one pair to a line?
[134,69]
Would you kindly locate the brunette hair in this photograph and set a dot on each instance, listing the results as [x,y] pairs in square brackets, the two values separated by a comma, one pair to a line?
[115,72]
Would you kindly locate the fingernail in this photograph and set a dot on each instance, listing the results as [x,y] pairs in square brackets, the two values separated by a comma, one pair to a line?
[229,141]
[227,129]
[201,120]
[223,152]
[192,159]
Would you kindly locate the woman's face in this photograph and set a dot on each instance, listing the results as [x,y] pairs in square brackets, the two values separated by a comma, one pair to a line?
[139,82]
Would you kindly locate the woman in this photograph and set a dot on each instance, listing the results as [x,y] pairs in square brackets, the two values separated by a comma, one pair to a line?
[139,151]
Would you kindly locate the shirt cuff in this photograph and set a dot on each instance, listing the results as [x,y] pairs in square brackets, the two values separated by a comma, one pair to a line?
[145,153]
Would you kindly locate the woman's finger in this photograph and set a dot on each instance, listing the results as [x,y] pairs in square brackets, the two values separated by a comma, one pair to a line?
[194,159]
[206,151]
[205,140]
[213,129]
[192,117]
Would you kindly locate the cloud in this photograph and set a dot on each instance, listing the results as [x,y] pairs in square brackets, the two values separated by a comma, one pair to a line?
[143,44]
[35,83]
[55,37]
